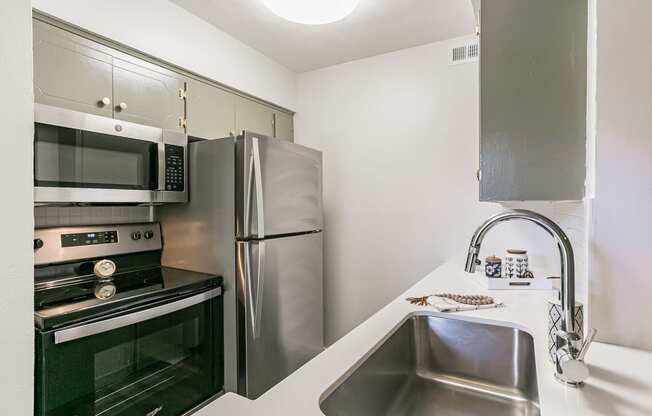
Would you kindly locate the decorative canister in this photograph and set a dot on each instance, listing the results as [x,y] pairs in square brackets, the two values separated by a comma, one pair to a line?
[516,264]
[554,323]
[493,266]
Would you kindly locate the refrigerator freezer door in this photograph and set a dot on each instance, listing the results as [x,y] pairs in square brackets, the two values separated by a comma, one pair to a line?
[281,308]
[278,187]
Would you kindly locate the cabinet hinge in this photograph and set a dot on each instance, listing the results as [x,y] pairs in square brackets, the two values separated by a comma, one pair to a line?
[478,175]
[183,122]
[182,94]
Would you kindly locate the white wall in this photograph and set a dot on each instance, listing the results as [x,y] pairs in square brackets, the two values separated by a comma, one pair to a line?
[16,223]
[165,30]
[399,134]
[621,245]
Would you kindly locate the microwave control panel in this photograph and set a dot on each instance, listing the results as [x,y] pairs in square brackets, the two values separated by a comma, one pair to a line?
[174,168]
[87,239]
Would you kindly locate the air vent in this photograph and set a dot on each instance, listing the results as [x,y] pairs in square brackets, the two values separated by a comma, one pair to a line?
[461,53]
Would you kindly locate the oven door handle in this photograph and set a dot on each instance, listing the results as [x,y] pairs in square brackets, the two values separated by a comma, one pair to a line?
[83,331]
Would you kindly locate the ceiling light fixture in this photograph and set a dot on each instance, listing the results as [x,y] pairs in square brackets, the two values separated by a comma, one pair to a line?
[312,12]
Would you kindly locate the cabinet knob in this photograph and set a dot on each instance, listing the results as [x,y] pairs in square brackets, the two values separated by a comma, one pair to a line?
[104,102]
[122,106]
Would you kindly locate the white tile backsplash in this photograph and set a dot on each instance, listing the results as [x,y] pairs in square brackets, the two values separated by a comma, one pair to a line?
[63,216]
[571,217]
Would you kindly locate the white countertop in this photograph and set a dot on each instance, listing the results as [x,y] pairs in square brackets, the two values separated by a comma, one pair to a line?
[620,382]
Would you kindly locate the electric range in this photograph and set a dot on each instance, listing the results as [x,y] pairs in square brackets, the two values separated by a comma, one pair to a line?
[117,333]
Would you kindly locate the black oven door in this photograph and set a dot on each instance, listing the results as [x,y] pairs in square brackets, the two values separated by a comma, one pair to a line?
[160,360]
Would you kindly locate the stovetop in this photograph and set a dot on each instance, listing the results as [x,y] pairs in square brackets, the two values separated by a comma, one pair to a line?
[88,272]
[127,284]
[57,304]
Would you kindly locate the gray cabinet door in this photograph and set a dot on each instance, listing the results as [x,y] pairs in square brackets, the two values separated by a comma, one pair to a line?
[533,99]
[283,126]
[71,72]
[281,295]
[210,111]
[254,117]
[145,94]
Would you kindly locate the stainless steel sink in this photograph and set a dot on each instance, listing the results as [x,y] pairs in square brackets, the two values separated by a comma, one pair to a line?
[442,367]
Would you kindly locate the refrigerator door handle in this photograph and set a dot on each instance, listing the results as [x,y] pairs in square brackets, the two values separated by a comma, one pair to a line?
[249,296]
[258,176]
[260,285]
[255,306]
[248,191]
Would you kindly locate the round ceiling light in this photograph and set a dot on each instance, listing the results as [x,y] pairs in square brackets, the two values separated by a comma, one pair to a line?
[312,12]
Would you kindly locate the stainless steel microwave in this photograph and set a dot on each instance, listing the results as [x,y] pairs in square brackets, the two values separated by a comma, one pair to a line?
[85,158]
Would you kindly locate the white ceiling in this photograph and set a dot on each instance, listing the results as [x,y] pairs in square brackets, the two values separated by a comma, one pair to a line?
[375,27]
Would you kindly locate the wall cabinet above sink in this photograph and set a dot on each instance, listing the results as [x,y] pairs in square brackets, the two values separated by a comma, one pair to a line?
[533,94]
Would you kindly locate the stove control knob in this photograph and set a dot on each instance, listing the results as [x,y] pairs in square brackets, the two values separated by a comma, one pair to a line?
[136,235]
[104,269]
[149,234]
[38,243]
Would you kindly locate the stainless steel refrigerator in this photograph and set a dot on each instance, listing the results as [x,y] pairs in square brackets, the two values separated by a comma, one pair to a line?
[255,217]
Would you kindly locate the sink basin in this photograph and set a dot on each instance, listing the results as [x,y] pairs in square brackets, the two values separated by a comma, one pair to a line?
[439,366]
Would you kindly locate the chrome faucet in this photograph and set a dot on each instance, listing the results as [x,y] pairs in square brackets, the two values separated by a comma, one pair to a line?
[570,348]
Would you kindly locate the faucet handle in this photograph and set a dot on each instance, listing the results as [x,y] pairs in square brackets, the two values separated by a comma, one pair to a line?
[571,368]
[571,372]
[586,344]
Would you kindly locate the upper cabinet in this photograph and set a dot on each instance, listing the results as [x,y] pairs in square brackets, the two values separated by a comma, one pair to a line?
[75,73]
[283,126]
[145,94]
[210,111]
[71,72]
[254,117]
[78,73]
[533,94]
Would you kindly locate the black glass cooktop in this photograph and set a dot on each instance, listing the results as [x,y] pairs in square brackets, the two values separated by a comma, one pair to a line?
[58,303]
[139,282]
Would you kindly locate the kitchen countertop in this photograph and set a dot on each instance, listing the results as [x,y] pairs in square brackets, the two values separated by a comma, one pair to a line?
[620,382]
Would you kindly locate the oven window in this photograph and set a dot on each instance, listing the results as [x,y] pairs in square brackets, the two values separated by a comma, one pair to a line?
[171,363]
[67,157]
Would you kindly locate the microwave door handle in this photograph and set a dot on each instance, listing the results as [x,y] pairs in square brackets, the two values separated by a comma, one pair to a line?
[161,166]
[258,175]
[83,331]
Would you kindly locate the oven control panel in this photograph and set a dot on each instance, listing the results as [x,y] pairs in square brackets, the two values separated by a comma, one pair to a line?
[174,168]
[87,239]
[62,244]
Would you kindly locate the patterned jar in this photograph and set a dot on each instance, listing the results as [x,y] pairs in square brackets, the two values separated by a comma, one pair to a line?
[554,324]
[493,267]
[516,264]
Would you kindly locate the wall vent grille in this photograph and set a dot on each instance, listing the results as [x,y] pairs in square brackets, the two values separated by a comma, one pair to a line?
[461,53]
